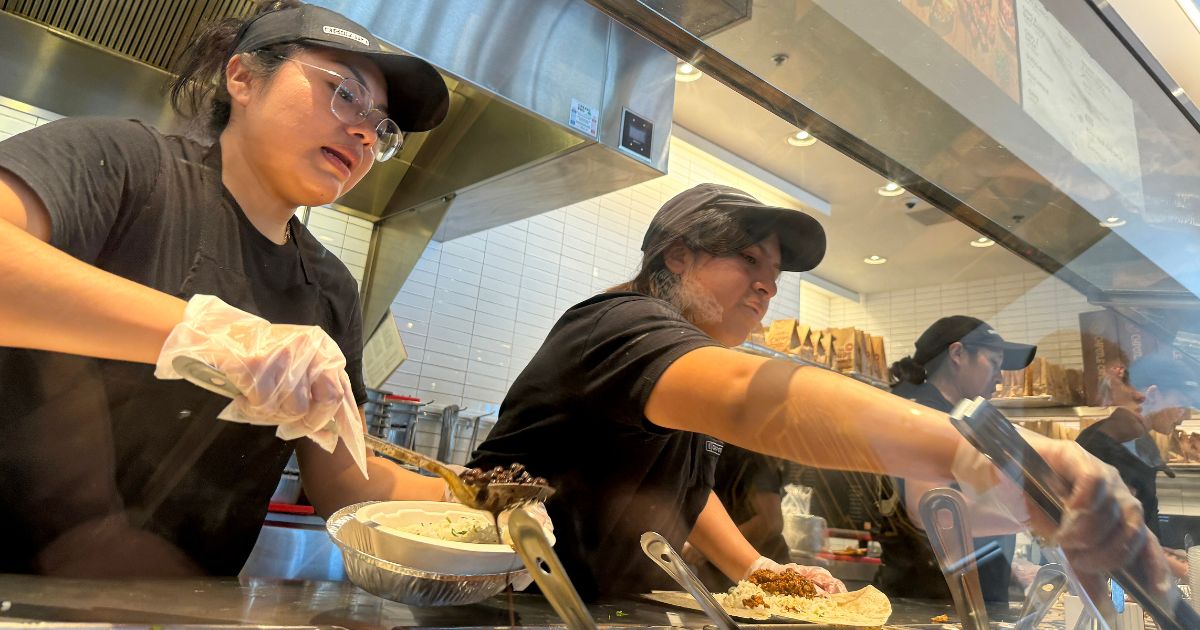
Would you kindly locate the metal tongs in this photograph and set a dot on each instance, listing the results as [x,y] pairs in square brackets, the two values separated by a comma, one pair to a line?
[489,497]
[665,556]
[993,435]
[944,514]
[1047,584]
[543,564]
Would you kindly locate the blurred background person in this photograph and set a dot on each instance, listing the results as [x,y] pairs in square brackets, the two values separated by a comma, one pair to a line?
[955,358]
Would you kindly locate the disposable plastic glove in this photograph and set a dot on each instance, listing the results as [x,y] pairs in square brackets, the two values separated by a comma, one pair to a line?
[822,578]
[1102,528]
[291,377]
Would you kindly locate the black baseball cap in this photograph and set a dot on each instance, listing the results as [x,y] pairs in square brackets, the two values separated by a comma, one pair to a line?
[971,332]
[801,237]
[1168,373]
[417,96]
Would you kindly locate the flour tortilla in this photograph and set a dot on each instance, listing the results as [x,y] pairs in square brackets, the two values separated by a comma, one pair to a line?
[866,607]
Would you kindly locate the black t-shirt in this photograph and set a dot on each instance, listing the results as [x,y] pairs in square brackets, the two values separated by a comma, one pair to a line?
[741,475]
[1141,477]
[909,567]
[576,416]
[85,438]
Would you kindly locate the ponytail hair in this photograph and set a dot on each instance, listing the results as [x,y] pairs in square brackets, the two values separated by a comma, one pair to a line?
[199,94]
[907,370]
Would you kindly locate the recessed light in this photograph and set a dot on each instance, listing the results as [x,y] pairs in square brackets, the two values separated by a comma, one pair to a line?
[801,139]
[982,241]
[874,260]
[890,189]
[686,72]
[1112,222]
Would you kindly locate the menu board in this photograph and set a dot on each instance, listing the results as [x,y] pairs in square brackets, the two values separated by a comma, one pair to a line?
[383,353]
[984,32]
[1070,95]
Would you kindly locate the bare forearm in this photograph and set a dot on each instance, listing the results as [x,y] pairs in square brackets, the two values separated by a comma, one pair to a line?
[332,481]
[719,540]
[804,414]
[52,301]
[754,528]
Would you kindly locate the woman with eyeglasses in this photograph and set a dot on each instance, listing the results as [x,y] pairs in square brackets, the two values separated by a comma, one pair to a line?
[125,247]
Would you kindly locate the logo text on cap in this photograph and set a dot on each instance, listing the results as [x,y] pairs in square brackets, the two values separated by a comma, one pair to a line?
[341,32]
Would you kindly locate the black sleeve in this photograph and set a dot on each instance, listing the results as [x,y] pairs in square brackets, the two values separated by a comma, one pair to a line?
[763,474]
[629,346]
[88,172]
[351,343]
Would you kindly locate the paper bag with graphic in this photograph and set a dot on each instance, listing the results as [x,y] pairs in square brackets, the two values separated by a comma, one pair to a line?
[781,335]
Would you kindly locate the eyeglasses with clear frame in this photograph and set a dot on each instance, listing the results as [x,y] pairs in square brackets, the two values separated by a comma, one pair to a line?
[352,104]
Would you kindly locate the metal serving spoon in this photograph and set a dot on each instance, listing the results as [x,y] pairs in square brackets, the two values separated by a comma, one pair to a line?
[489,497]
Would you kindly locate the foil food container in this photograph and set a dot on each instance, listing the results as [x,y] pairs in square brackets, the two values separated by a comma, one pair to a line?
[399,583]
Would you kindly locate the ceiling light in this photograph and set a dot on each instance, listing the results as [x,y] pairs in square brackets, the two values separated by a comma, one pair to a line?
[874,260]
[1112,222]
[801,139]
[686,72]
[890,189]
[982,241]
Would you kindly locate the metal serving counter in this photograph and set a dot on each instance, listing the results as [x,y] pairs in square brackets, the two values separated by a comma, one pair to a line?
[229,602]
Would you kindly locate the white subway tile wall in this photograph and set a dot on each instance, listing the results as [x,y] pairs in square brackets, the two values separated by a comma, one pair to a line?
[347,237]
[476,309]
[14,121]
[1028,308]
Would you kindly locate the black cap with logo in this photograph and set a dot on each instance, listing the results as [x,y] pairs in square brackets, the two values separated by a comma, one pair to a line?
[801,237]
[417,96]
[971,332]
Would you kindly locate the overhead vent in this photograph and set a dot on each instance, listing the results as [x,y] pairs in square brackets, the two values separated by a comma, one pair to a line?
[704,19]
[929,215]
[154,32]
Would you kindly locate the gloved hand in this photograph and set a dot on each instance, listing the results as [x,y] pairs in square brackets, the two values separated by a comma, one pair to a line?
[822,578]
[291,377]
[1102,527]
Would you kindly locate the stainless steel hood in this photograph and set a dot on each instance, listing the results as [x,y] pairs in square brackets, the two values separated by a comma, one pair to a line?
[544,94]
[541,96]
[518,71]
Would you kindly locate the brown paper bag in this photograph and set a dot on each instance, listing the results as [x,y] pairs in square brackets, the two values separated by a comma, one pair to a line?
[1035,381]
[879,354]
[825,352]
[843,349]
[780,334]
[807,344]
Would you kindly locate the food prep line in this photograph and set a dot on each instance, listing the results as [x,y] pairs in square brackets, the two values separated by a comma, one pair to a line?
[229,602]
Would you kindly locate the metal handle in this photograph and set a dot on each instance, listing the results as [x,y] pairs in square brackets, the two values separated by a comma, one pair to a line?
[205,376]
[547,571]
[1047,584]
[466,495]
[664,555]
[945,516]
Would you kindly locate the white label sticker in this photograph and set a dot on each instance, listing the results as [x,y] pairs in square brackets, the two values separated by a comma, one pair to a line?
[341,32]
[584,118]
